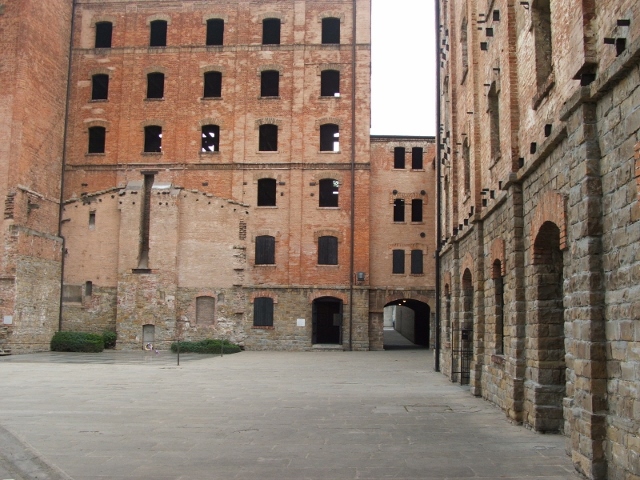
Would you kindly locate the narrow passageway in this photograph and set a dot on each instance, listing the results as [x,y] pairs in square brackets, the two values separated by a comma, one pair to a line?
[266,415]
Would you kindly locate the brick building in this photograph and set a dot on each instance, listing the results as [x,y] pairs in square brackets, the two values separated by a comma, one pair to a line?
[539,147]
[219,179]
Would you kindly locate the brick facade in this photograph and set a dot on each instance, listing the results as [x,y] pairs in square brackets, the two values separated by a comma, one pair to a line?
[538,131]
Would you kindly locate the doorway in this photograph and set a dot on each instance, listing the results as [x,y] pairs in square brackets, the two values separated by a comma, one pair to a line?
[148,336]
[411,319]
[327,321]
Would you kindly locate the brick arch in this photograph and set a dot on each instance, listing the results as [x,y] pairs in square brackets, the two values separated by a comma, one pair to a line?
[101,71]
[278,15]
[96,122]
[268,121]
[215,16]
[103,18]
[150,123]
[331,14]
[156,69]
[328,293]
[268,232]
[394,297]
[327,233]
[467,263]
[264,294]
[211,121]
[497,253]
[333,174]
[329,66]
[212,68]
[270,67]
[326,120]
[158,16]
[550,208]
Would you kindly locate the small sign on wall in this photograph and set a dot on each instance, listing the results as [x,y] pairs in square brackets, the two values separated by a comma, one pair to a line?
[301,322]
[8,319]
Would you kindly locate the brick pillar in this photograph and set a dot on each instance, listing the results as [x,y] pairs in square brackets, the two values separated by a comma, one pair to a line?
[586,404]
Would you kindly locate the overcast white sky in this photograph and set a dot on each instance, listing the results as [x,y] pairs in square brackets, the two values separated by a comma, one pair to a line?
[403,77]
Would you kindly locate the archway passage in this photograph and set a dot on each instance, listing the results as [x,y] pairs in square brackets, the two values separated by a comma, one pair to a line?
[415,327]
[327,320]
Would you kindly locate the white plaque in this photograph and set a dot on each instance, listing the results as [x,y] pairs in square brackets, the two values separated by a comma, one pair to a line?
[8,319]
[301,322]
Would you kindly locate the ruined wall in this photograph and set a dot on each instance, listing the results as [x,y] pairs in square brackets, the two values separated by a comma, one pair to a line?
[34,44]
[548,131]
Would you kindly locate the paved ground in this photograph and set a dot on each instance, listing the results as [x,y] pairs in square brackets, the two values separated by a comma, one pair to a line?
[256,415]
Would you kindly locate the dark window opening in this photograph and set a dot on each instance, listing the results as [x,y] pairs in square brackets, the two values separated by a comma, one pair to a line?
[466,157]
[268,141]
[100,87]
[92,220]
[330,30]
[271,31]
[398,157]
[263,312]
[416,210]
[329,138]
[155,85]
[329,192]
[267,192]
[416,158]
[265,250]
[330,83]
[205,310]
[88,289]
[398,261]
[398,210]
[494,121]
[153,139]
[498,282]
[104,31]
[97,136]
[541,17]
[416,262]
[328,250]
[145,223]
[215,31]
[158,33]
[270,83]
[212,85]
[210,138]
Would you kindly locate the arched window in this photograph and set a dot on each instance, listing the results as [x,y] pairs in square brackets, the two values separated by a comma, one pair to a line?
[155,85]
[270,83]
[210,138]
[330,83]
[268,141]
[215,31]
[97,136]
[153,139]
[265,250]
[329,138]
[329,192]
[104,31]
[205,310]
[266,192]
[327,250]
[263,312]
[100,87]
[271,31]
[158,33]
[330,30]
[212,85]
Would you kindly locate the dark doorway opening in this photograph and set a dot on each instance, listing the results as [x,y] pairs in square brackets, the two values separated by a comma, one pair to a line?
[327,320]
[414,327]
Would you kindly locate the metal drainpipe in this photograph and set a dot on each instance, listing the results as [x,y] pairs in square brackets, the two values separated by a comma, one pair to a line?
[64,161]
[353,169]
[438,188]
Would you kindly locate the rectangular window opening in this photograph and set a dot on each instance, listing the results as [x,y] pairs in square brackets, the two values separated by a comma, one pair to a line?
[398,210]
[92,220]
[265,250]
[330,30]
[153,139]
[270,83]
[97,138]
[100,87]
[212,85]
[398,157]
[158,33]
[145,222]
[271,31]
[398,261]
[268,141]
[417,154]
[330,83]
[210,138]
[104,31]
[328,250]
[416,210]
[155,85]
[215,31]
[416,262]
[263,312]
[267,192]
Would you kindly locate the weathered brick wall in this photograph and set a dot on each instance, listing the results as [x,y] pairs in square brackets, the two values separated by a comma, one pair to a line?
[558,210]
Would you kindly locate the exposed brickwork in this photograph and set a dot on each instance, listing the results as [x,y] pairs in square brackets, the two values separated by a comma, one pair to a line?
[557,206]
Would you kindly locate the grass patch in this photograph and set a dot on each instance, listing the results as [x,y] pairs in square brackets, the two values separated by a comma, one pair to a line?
[206,346]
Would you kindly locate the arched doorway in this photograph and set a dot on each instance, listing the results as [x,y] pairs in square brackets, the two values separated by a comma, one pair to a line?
[462,336]
[327,321]
[545,384]
[411,319]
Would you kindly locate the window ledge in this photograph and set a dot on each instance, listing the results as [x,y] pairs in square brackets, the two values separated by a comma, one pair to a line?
[154,99]
[98,100]
[263,327]
[151,154]
[269,98]
[416,274]
[265,265]
[399,169]
[418,223]
[155,47]
[323,265]
[207,99]
[329,97]
[95,154]
[418,170]
[330,152]
[267,206]
[399,223]
[398,274]
[267,152]
[215,152]
[328,208]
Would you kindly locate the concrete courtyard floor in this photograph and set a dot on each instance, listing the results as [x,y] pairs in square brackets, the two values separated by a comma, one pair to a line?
[257,415]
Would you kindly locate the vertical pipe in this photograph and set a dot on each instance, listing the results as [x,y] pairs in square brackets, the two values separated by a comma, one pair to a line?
[353,170]
[64,161]
[438,187]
